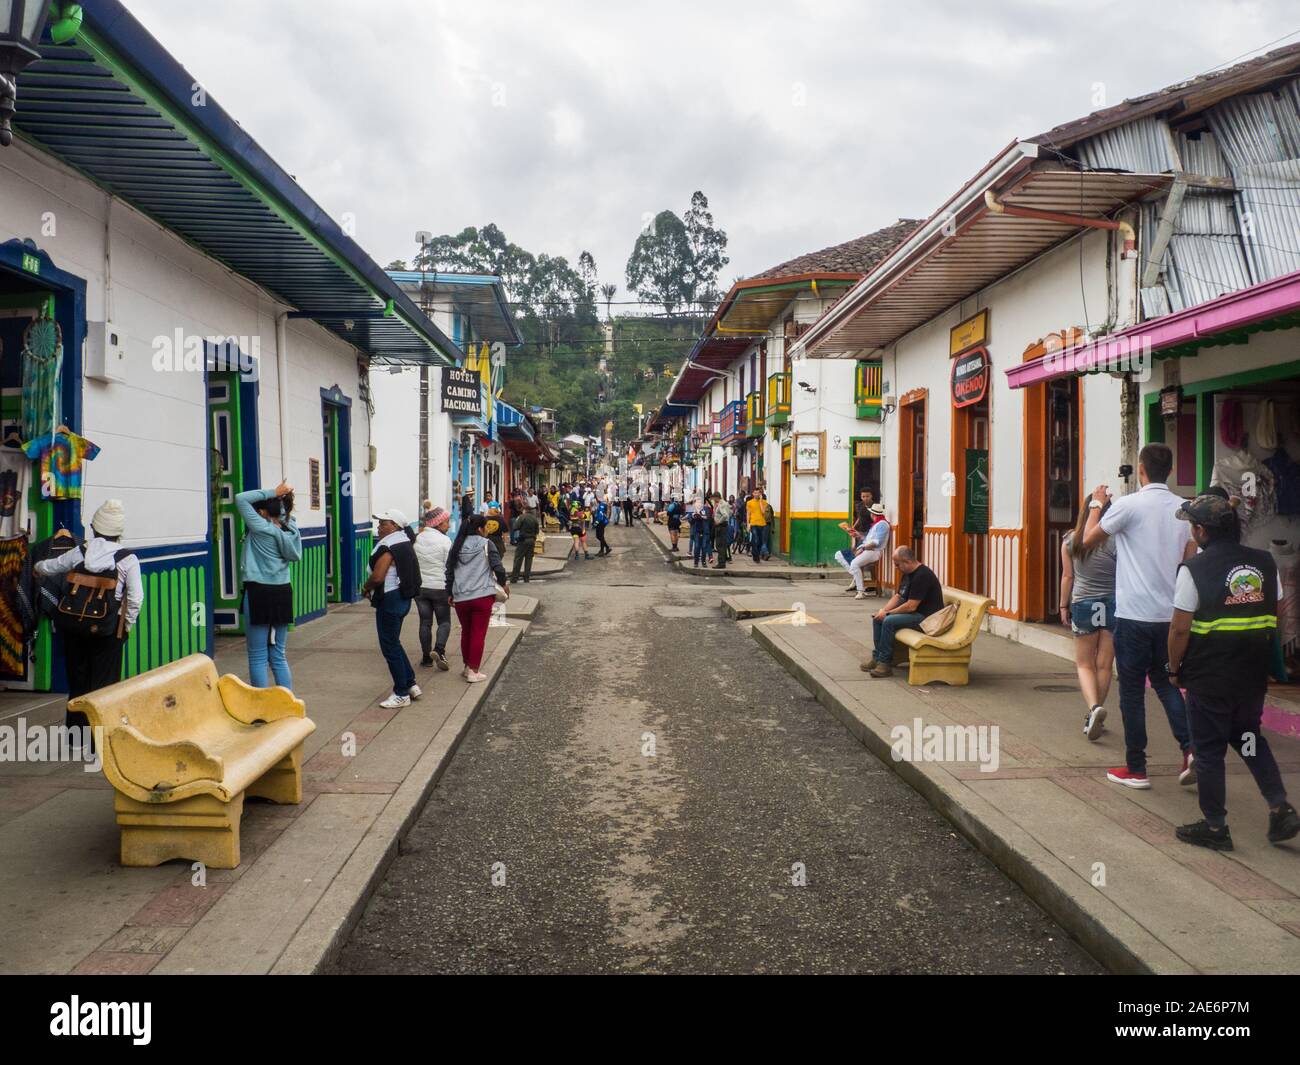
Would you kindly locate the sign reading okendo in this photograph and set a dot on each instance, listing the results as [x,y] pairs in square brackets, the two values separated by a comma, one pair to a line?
[462,391]
[970,378]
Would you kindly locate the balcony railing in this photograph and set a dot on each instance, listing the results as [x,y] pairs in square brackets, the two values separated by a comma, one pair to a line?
[866,389]
[778,399]
[731,423]
[754,413]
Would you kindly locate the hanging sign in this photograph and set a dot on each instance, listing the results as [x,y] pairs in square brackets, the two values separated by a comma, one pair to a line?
[462,392]
[970,378]
[972,333]
[976,511]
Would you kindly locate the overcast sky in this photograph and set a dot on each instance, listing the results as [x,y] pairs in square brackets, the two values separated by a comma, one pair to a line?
[566,124]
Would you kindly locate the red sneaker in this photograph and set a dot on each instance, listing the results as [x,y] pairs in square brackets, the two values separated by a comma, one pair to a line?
[1188,775]
[1128,779]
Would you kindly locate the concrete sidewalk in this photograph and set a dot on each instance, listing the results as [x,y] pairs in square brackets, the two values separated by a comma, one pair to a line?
[1100,858]
[68,906]
[741,565]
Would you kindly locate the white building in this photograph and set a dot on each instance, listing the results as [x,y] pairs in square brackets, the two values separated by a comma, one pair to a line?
[217,331]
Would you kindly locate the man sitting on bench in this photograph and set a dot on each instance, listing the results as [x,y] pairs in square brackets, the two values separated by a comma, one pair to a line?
[867,547]
[919,595]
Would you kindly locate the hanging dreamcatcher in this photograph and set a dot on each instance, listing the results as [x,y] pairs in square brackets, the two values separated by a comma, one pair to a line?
[42,365]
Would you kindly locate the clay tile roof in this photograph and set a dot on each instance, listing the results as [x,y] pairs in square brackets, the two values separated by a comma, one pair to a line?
[852,257]
[1190,96]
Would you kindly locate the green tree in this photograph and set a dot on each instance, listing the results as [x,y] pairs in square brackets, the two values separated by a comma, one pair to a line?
[708,245]
[660,261]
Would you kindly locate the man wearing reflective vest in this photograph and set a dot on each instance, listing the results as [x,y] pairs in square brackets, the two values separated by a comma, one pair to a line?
[1220,649]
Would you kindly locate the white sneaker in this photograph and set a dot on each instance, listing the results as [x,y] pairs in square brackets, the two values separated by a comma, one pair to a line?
[860,595]
[416,691]
[396,702]
[476,678]
[1093,724]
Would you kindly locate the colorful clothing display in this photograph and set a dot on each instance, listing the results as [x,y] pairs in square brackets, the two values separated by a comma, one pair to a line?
[14,612]
[14,467]
[42,366]
[61,457]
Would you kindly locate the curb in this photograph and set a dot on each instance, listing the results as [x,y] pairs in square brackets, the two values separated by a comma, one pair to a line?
[1109,934]
[318,940]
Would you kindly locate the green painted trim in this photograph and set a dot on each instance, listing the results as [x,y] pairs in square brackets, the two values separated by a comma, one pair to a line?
[1204,440]
[165,630]
[814,541]
[1237,380]
[1155,425]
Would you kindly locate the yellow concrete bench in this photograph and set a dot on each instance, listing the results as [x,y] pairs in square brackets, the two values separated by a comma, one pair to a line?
[944,658]
[183,748]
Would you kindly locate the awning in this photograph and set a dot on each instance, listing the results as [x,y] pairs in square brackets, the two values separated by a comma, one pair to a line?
[481,297]
[116,106]
[1230,319]
[967,246]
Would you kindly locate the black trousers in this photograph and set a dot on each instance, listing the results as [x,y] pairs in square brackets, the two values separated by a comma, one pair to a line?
[600,536]
[431,603]
[627,510]
[524,551]
[91,662]
[720,544]
[1218,722]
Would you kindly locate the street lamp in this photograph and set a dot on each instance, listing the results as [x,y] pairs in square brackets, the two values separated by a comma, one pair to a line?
[21,25]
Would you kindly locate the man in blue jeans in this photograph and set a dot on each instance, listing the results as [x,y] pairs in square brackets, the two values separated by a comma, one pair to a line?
[393,582]
[1151,542]
[919,595]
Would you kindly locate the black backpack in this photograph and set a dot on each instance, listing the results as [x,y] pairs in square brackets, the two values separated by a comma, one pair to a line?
[89,605]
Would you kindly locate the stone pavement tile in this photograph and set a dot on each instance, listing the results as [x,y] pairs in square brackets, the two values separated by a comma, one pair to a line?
[256,917]
[392,754]
[116,963]
[62,889]
[1285,912]
[180,904]
[145,939]
[1211,930]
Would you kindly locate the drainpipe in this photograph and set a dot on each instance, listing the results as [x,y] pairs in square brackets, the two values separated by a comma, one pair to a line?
[282,386]
[1130,235]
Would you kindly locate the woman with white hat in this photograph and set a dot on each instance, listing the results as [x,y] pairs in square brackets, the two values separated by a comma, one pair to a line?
[93,661]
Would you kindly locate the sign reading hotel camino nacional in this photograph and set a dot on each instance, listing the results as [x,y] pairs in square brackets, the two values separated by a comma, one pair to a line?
[462,392]
[970,378]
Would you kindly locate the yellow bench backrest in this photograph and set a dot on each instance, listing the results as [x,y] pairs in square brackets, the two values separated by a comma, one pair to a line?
[971,609]
[180,699]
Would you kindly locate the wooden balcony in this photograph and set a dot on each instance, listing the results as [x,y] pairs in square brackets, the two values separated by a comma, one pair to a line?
[867,381]
[778,399]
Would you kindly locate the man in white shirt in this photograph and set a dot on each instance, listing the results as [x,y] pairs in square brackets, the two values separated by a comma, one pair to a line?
[1150,544]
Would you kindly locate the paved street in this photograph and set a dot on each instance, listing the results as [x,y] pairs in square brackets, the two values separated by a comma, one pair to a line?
[608,857]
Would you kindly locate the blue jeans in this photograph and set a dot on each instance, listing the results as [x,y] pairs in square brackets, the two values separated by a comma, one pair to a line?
[260,648]
[758,541]
[1141,651]
[882,633]
[701,545]
[388,621]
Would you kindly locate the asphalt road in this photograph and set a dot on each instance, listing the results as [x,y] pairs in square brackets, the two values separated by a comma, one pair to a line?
[647,791]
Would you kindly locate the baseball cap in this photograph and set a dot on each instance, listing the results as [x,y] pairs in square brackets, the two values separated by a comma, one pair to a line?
[395,516]
[1210,510]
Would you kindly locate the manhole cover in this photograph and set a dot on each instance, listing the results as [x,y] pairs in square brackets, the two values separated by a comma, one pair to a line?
[1056,688]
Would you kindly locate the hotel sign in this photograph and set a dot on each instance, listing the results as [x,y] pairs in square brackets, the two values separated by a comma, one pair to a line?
[972,333]
[462,392]
[970,378]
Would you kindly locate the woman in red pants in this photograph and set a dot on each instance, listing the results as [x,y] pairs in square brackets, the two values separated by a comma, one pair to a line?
[471,565]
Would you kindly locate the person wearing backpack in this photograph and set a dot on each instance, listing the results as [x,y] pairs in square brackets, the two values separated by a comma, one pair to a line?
[271,542]
[101,601]
[393,583]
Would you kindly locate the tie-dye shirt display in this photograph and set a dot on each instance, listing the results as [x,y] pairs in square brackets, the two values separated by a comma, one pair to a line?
[61,457]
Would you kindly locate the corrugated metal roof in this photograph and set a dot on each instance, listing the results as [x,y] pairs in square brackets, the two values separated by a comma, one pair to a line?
[983,248]
[115,105]
[482,297]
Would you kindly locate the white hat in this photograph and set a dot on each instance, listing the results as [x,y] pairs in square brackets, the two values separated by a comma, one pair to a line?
[395,516]
[110,518]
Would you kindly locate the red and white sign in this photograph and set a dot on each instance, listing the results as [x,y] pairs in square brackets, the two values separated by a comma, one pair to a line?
[970,377]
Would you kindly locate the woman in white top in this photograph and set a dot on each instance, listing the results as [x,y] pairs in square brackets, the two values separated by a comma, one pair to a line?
[432,547]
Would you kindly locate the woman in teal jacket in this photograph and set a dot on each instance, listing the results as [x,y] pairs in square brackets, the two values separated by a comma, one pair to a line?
[271,542]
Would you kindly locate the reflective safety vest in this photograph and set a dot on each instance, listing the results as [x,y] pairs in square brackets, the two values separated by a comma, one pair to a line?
[1231,646]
